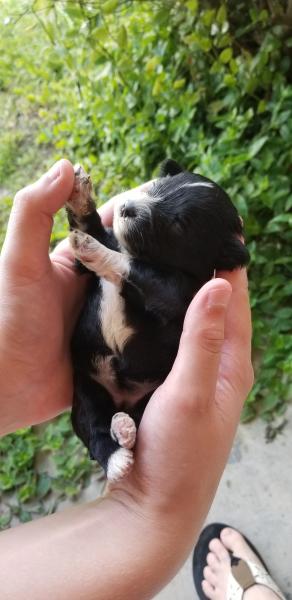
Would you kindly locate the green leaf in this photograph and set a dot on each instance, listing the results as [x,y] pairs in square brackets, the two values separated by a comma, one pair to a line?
[24,516]
[221,16]
[151,64]
[208,17]
[100,33]
[157,88]
[193,6]
[44,485]
[202,42]
[248,413]
[179,83]
[226,55]
[110,6]
[276,224]
[5,519]
[122,37]
[269,403]
[257,145]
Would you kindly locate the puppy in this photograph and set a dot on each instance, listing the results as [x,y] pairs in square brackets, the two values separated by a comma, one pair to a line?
[168,237]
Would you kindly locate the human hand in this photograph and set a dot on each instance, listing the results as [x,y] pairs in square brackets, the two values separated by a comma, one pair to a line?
[189,424]
[184,437]
[40,297]
[188,427]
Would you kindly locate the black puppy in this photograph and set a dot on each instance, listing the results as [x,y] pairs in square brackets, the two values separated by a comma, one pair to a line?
[168,237]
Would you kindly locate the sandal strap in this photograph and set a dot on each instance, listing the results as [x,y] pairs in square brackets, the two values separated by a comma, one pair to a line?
[244,574]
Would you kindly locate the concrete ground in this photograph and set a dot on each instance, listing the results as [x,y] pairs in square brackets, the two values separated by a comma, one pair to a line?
[255,495]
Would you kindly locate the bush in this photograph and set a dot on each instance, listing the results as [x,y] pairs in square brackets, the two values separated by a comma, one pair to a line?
[119,85]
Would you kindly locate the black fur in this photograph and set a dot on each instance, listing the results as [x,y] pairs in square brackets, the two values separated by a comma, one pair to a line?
[174,247]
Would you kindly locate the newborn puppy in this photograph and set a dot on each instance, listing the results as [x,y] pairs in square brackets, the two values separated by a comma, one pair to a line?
[168,237]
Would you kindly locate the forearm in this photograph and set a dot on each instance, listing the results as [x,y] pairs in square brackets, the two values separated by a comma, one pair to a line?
[102,550]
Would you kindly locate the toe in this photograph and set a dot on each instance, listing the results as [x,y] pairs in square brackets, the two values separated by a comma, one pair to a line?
[235,542]
[219,550]
[210,576]
[231,538]
[212,560]
[208,589]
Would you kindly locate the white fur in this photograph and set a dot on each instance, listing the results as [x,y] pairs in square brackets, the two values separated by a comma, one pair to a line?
[111,265]
[199,184]
[120,464]
[112,314]
[139,195]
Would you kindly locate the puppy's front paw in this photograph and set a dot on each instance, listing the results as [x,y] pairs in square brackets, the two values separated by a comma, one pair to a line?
[123,430]
[119,465]
[80,202]
[83,246]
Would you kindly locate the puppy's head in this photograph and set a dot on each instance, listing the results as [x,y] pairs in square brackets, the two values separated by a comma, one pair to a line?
[180,220]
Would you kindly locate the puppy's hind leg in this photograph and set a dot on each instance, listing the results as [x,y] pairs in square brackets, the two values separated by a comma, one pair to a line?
[123,430]
[92,414]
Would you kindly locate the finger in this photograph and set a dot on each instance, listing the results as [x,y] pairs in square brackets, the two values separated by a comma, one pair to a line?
[236,354]
[74,283]
[194,374]
[106,212]
[238,319]
[31,219]
[63,251]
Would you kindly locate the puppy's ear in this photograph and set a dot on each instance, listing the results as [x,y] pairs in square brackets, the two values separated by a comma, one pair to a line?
[234,255]
[170,167]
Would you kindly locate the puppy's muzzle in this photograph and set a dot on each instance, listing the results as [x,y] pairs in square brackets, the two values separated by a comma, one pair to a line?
[128,209]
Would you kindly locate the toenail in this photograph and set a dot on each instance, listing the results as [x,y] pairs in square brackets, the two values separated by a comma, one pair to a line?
[227,531]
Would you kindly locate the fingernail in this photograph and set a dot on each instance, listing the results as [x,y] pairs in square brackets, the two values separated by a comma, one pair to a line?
[54,172]
[219,296]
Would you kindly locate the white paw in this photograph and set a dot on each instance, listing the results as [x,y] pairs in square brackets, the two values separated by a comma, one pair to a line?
[120,464]
[83,245]
[123,430]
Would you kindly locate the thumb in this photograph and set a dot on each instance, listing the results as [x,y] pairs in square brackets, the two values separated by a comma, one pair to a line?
[193,377]
[26,245]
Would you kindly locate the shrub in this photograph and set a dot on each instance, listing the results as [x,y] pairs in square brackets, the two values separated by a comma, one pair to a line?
[119,85]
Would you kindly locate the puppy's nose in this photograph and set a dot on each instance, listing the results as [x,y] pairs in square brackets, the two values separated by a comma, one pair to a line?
[128,209]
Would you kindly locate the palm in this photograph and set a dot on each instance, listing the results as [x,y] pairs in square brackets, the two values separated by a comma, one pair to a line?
[200,398]
[36,326]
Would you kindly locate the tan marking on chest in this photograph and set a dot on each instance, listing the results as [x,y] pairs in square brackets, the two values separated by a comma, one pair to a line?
[104,374]
[112,314]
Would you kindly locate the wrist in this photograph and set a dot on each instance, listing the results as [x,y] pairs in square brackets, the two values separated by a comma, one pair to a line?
[151,550]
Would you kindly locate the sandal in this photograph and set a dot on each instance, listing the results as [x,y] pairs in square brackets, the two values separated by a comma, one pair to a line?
[244,573]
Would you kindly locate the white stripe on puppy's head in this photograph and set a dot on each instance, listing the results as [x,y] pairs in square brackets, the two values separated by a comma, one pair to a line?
[128,205]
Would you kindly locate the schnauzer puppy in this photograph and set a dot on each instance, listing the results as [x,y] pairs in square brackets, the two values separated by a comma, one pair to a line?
[168,237]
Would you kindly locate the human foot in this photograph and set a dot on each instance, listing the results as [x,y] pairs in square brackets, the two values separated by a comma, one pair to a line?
[226,566]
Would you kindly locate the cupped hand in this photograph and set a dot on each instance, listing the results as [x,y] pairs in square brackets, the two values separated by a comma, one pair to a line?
[188,426]
[40,297]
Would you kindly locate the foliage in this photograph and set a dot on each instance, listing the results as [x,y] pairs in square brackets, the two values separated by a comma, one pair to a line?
[119,85]
[22,462]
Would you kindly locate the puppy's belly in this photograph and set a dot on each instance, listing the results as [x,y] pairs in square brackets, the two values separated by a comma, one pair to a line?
[122,397]
[115,330]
